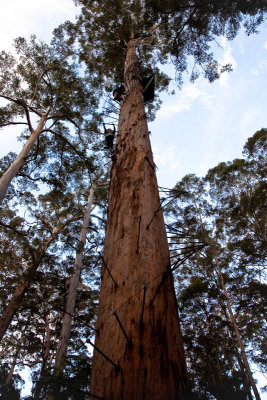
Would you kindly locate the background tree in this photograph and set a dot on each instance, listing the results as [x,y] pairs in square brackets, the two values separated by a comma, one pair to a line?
[216,210]
[63,179]
[44,88]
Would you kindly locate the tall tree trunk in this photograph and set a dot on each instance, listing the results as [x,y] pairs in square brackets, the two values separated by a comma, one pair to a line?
[239,339]
[138,332]
[72,290]
[20,160]
[22,287]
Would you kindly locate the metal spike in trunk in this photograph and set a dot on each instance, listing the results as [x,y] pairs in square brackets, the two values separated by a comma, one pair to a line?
[154,366]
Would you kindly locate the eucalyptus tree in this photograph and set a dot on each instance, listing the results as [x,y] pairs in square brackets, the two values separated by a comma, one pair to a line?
[63,177]
[207,336]
[239,188]
[44,91]
[139,352]
[30,256]
[48,282]
[224,283]
[96,181]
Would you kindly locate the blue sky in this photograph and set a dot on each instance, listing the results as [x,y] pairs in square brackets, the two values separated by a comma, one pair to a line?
[195,129]
[205,123]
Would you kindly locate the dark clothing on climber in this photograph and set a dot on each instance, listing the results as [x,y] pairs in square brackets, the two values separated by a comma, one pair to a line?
[109,138]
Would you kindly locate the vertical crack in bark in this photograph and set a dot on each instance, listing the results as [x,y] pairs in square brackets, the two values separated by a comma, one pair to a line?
[143,307]
[138,237]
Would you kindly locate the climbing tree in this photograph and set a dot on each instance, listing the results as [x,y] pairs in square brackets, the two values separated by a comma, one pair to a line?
[138,346]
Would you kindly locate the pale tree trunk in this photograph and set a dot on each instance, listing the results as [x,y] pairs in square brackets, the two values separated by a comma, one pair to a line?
[20,160]
[246,382]
[239,339]
[72,290]
[138,332]
[22,287]
[14,361]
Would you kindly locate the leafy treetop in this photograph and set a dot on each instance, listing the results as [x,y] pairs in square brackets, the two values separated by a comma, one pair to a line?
[179,31]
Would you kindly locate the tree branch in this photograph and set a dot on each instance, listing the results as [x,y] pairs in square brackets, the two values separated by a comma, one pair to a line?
[66,140]
[13,229]
[37,83]
[13,123]
[25,107]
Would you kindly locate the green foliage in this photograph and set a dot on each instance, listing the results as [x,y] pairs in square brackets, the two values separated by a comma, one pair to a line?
[42,77]
[184,30]
[50,192]
[227,211]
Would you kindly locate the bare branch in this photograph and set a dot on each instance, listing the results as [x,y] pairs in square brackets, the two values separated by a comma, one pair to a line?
[13,123]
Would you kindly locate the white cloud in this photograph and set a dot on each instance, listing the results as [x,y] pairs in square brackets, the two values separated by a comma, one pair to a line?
[265,45]
[8,138]
[184,100]
[227,58]
[170,168]
[23,18]
[260,69]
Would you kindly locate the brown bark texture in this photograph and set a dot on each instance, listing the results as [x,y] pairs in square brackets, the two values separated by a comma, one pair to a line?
[137,328]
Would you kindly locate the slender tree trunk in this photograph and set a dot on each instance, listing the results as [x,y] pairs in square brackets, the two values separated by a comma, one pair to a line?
[22,287]
[12,171]
[43,373]
[138,332]
[233,321]
[14,361]
[72,290]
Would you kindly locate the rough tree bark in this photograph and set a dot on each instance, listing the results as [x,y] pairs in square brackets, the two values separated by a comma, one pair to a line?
[137,328]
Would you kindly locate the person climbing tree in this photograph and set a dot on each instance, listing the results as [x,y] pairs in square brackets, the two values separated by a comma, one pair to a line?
[109,136]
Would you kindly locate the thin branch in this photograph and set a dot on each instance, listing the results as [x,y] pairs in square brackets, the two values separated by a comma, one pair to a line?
[66,140]
[13,229]
[56,119]
[37,83]
[33,109]
[25,107]
[13,123]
